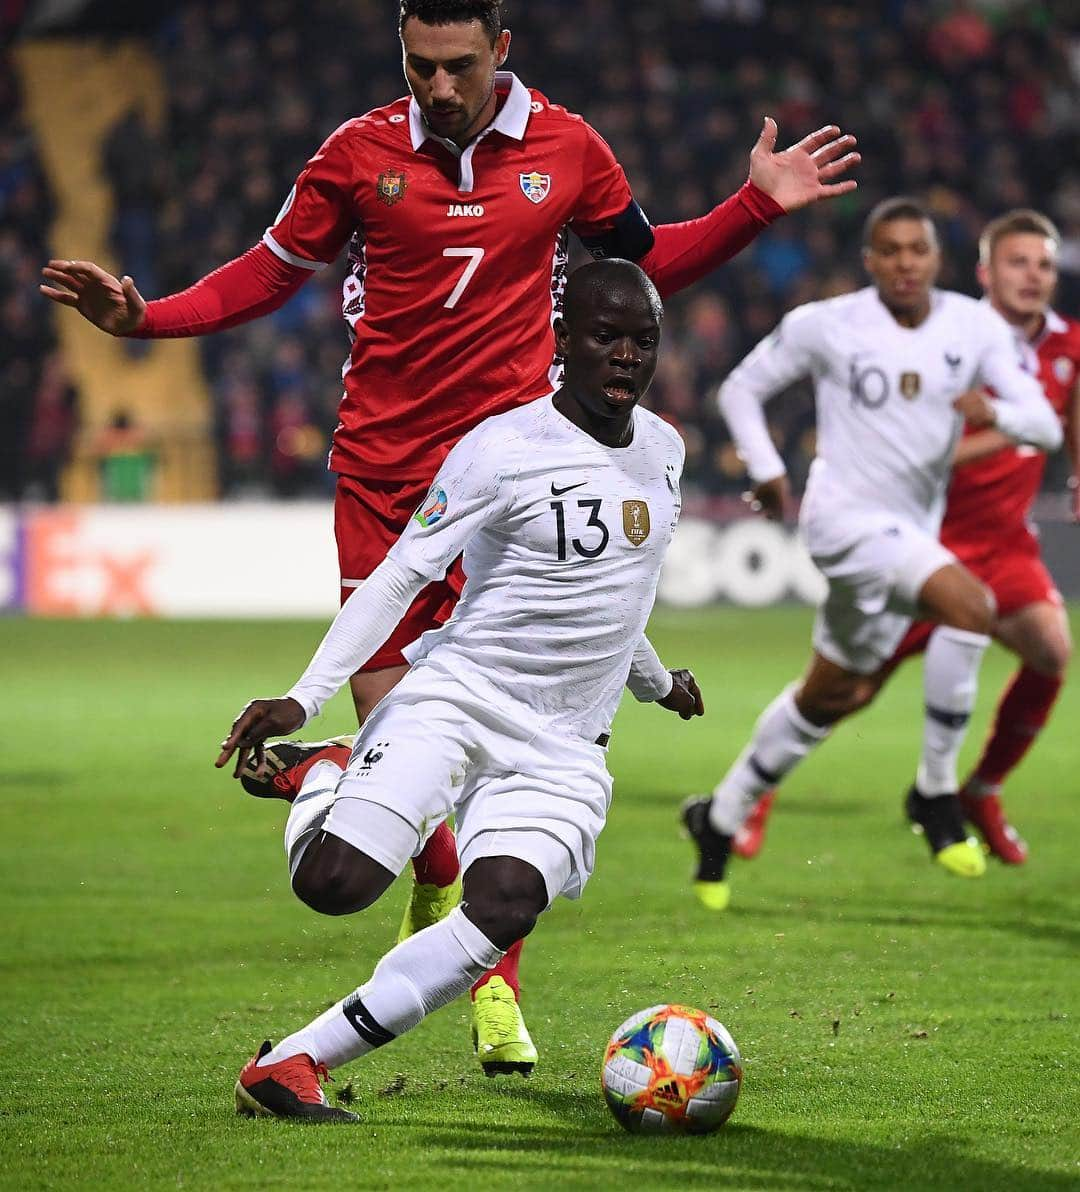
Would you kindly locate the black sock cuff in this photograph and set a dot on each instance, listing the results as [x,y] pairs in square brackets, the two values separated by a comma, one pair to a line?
[361,1020]
[766,776]
[948,719]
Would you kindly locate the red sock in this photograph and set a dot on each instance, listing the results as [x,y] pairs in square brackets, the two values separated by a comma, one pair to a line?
[437,862]
[507,968]
[1024,709]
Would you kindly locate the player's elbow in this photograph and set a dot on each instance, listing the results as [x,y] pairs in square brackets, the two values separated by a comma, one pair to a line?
[727,400]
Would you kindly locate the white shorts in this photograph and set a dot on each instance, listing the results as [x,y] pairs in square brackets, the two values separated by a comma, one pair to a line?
[875,575]
[432,748]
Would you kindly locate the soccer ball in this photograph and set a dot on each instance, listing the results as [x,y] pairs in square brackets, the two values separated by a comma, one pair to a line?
[671,1068]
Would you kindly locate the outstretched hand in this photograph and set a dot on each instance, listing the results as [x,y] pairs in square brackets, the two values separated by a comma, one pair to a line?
[111,303]
[261,718]
[684,696]
[807,171]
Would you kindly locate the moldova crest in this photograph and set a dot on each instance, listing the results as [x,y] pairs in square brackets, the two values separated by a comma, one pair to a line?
[635,521]
[1064,369]
[535,187]
[392,186]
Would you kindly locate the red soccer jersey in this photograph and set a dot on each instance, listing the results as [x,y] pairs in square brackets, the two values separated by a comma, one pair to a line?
[990,500]
[456,262]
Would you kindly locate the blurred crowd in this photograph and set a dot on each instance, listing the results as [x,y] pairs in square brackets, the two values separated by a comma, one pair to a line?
[975,107]
[37,402]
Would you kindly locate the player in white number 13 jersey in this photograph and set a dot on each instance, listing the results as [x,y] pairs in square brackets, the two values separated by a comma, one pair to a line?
[564,510]
[894,367]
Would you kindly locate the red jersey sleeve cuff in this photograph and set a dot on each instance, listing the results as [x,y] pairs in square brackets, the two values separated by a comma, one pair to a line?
[761,206]
[146,330]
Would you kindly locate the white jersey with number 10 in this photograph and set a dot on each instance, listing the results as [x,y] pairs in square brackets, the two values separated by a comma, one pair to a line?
[886,427]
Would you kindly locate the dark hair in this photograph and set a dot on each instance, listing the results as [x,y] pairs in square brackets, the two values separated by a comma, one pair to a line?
[608,276]
[1023,219]
[449,12]
[900,207]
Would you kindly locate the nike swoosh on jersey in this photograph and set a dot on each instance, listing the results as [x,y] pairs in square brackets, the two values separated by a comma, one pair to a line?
[558,492]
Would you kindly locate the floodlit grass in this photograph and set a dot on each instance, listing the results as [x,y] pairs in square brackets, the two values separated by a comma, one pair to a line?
[901,1029]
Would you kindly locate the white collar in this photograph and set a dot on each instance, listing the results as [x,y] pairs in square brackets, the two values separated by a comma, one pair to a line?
[511,120]
[1053,324]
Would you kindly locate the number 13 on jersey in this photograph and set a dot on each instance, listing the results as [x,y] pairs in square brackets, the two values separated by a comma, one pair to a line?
[473,256]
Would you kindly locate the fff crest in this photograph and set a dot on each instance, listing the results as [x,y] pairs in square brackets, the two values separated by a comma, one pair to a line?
[392,186]
[535,187]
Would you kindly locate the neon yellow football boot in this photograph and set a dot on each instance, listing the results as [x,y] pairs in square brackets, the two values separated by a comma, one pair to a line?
[713,851]
[427,905]
[713,896]
[940,819]
[499,1034]
[964,859]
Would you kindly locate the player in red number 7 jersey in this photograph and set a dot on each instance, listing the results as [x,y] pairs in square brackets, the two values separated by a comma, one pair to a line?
[986,526]
[455,203]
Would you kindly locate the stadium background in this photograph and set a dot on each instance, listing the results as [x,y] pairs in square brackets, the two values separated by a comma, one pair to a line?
[160,140]
[901,1030]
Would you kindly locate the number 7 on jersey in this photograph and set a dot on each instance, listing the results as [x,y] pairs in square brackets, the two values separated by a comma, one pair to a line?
[475,256]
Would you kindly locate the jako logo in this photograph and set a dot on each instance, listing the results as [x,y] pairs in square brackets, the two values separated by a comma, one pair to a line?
[475,210]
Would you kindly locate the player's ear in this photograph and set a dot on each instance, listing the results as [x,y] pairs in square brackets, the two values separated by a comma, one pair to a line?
[982,275]
[562,336]
[502,47]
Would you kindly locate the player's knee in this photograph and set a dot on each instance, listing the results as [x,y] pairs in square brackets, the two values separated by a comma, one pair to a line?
[861,694]
[977,611]
[331,884]
[503,921]
[1050,656]
[829,704]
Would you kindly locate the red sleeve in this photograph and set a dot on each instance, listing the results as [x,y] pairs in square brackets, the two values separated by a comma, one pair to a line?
[245,288]
[684,253]
[321,212]
[605,193]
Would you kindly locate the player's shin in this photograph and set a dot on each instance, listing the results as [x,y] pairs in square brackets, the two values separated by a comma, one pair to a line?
[1024,709]
[950,681]
[421,974]
[782,738]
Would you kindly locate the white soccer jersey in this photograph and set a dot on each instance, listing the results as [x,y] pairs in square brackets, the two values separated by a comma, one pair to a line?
[886,427]
[563,541]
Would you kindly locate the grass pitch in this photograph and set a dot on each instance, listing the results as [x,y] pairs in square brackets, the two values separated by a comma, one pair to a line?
[900,1029]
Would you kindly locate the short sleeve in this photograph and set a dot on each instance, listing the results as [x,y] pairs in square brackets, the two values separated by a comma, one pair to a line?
[320,214]
[471,491]
[605,193]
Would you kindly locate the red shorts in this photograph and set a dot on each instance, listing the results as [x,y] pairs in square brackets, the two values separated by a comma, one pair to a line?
[369,516]
[1012,569]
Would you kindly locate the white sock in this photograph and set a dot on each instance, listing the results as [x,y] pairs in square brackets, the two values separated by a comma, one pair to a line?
[423,973]
[782,738]
[950,683]
[310,809]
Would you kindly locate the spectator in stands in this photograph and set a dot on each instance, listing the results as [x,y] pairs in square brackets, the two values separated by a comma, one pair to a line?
[976,106]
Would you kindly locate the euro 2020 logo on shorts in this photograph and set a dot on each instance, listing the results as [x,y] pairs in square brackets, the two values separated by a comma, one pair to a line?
[432,507]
